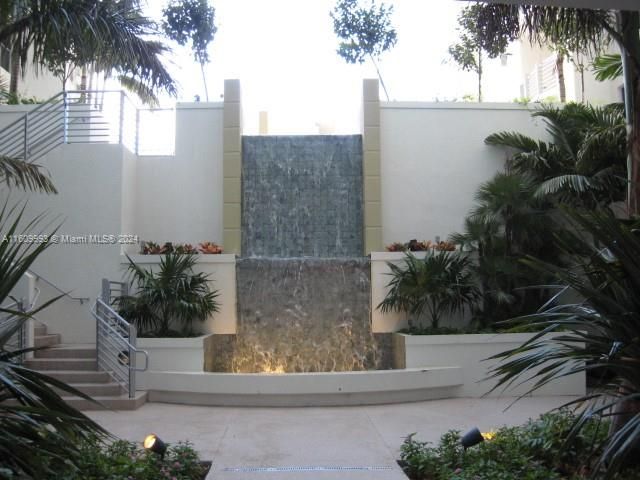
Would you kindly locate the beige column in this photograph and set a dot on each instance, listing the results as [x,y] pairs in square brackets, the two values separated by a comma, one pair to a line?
[371,166]
[232,167]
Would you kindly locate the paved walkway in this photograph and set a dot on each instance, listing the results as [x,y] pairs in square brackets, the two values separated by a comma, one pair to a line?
[359,443]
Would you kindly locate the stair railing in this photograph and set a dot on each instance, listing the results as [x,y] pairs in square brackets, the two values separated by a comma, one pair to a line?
[116,345]
[72,116]
[23,337]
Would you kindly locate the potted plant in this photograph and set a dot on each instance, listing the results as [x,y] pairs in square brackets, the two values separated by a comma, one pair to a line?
[439,284]
[174,296]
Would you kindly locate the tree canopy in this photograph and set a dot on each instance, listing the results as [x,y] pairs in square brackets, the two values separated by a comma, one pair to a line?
[364,32]
[191,21]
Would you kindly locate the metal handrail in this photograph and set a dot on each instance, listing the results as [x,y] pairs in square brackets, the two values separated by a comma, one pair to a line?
[53,285]
[116,346]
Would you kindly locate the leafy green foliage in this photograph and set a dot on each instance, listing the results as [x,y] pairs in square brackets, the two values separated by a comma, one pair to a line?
[364,32]
[36,425]
[601,331]
[25,175]
[584,163]
[536,450]
[467,53]
[122,460]
[439,284]
[191,21]
[173,294]
[506,224]
[608,67]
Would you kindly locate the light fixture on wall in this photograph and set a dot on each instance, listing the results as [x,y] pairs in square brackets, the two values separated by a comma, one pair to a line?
[153,443]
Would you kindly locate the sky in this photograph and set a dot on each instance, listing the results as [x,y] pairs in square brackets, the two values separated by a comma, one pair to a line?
[284,53]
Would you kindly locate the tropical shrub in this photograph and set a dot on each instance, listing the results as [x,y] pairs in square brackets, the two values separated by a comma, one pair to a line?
[585,162]
[174,295]
[122,460]
[437,285]
[507,223]
[534,451]
[601,331]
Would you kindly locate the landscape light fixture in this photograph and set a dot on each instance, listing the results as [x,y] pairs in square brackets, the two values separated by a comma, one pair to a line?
[153,443]
[471,438]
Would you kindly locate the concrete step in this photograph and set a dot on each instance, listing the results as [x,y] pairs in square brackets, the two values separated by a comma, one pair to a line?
[46,340]
[95,389]
[120,402]
[74,376]
[39,330]
[83,364]
[67,351]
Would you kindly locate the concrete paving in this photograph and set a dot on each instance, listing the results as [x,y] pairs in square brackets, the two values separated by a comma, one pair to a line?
[331,443]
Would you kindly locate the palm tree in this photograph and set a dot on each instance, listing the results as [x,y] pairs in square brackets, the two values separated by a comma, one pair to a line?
[586,29]
[108,35]
[584,163]
[599,334]
[172,294]
[439,284]
[507,223]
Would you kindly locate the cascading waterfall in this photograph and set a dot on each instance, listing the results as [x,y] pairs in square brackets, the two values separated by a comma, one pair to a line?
[304,301]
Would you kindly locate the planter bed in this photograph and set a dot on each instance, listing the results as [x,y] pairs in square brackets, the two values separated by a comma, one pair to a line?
[468,352]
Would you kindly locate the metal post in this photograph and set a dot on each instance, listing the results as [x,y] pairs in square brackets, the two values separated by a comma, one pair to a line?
[26,137]
[22,332]
[121,126]
[133,334]
[65,117]
[137,131]
[105,293]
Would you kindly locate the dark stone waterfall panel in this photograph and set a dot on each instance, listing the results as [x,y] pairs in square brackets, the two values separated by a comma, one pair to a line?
[303,315]
[302,196]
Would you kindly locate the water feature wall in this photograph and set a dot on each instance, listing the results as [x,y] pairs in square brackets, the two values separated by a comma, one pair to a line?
[305,315]
[303,286]
[302,196]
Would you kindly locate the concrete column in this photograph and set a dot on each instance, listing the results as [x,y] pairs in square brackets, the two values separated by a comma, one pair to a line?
[371,168]
[232,167]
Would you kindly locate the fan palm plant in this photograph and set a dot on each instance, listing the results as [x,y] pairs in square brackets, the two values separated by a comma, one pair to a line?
[37,427]
[583,164]
[600,333]
[172,294]
[437,285]
[507,223]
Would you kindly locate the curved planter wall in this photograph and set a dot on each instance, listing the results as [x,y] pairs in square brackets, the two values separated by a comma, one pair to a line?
[468,352]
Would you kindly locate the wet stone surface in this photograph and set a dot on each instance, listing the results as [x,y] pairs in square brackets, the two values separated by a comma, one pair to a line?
[302,315]
[302,196]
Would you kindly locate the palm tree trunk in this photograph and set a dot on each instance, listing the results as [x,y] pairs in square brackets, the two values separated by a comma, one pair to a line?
[15,71]
[629,24]
[561,79]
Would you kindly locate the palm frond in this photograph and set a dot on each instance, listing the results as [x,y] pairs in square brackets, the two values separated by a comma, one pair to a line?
[599,334]
[27,176]
[608,67]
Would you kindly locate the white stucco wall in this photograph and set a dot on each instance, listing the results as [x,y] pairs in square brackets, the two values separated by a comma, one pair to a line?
[433,158]
[179,198]
[89,202]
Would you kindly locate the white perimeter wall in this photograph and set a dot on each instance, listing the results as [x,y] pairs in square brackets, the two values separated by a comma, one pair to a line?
[433,158]
[179,198]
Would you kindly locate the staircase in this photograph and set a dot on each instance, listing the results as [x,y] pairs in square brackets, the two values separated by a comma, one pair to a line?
[77,365]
